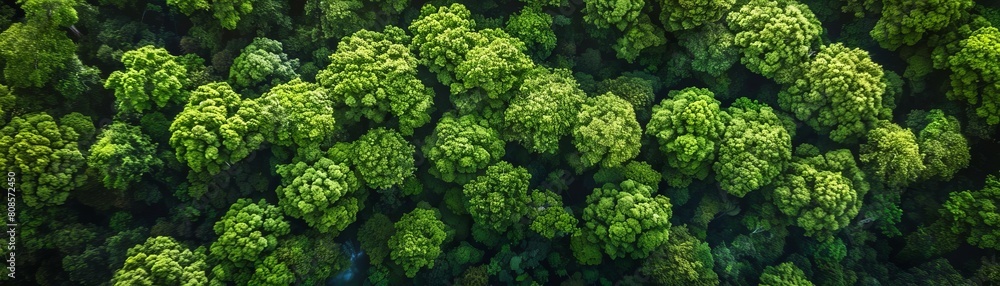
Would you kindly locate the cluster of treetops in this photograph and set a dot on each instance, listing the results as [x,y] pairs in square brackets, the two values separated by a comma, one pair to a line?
[503,142]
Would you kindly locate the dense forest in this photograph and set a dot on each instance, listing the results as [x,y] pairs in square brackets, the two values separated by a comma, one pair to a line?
[500,142]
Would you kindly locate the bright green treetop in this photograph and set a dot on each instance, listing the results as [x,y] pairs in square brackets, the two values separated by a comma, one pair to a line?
[152,76]
[904,22]
[162,260]
[679,15]
[785,274]
[441,38]
[534,28]
[688,125]
[840,93]
[325,194]
[383,158]
[50,13]
[606,131]
[45,156]
[418,239]
[495,65]
[612,13]
[122,155]
[247,232]
[892,154]
[217,128]
[974,214]
[34,54]
[945,149]
[776,37]
[821,193]
[261,65]
[375,74]
[544,109]
[975,74]
[685,260]
[460,147]
[549,218]
[627,220]
[754,149]
[499,198]
[303,114]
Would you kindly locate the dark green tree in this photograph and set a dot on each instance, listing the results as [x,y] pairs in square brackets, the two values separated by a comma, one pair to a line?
[122,155]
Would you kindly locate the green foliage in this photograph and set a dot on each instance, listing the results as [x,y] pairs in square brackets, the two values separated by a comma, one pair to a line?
[33,55]
[303,114]
[776,37]
[945,150]
[688,125]
[441,37]
[685,15]
[247,232]
[785,274]
[495,65]
[712,48]
[374,237]
[975,76]
[638,171]
[189,6]
[892,155]
[50,13]
[840,93]
[905,22]
[627,220]
[607,13]
[7,103]
[533,27]
[637,37]
[374,74]
[460,147]
[499,198]
[821,193]
[637,91]
[45,156]
[384,159]
[325,194]
[122,155]
[152,76]
[549,217]
[544,109]
[417,241]
[217,128]
[754,149]
[82,124]
[162,260]
[973,214]
[261,65]
[228,12]
[311,258]
[606,131]
[685,260]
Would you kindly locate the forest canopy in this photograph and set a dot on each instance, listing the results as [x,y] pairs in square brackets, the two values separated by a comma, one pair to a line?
[501,142]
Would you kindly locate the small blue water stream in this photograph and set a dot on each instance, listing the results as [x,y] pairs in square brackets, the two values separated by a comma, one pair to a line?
[357,272]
